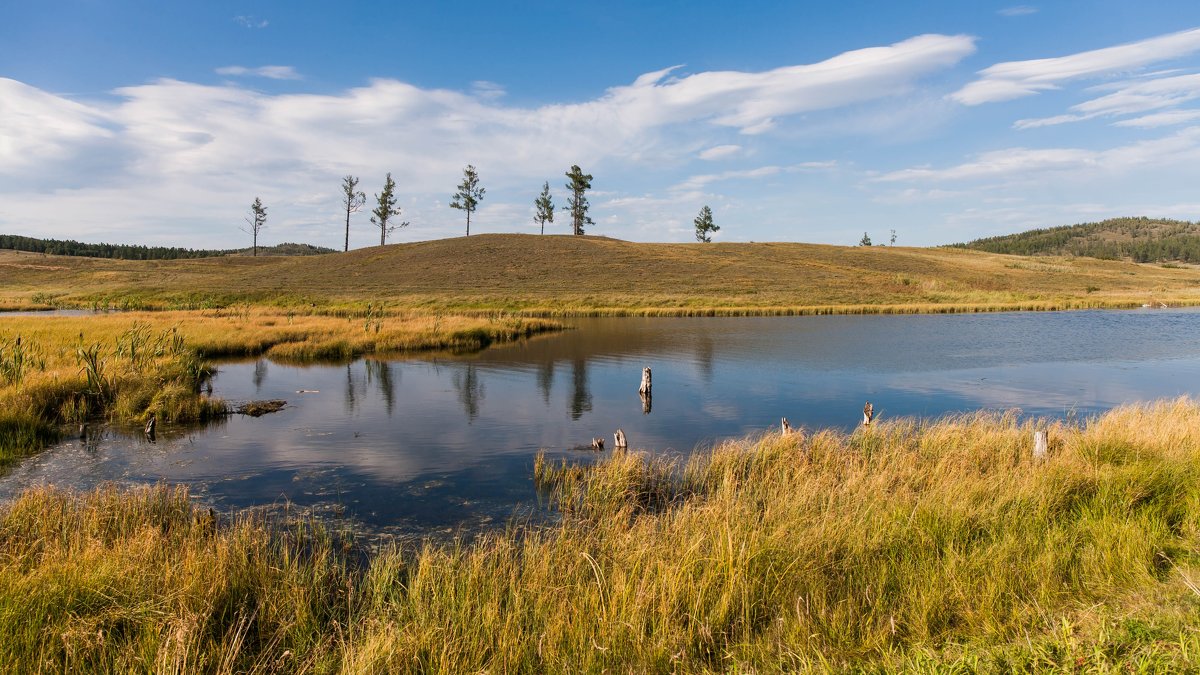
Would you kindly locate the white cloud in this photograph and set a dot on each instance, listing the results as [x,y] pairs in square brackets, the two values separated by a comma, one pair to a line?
[1162,119]
[487,90]
[250,22]
[698,182]
[720,152]
[39,130]
[1025,164]
[271,72]
[1128,98]
[1015,79]
[1017,10]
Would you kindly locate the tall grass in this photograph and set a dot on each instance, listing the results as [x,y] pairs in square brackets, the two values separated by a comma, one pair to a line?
[912,546]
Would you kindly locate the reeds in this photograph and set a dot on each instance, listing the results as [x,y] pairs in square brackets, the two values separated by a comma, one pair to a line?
[910,546]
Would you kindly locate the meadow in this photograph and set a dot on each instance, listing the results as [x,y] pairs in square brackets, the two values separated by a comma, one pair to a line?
[562,276]
[936,546]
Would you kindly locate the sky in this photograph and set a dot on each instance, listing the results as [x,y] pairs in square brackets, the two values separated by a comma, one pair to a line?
[159,122]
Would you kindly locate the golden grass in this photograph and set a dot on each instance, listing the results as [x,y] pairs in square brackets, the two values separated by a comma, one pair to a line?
[912,546]
[562,275]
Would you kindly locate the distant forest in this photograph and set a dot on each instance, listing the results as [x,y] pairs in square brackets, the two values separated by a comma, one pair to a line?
[1137,239]
[132,252]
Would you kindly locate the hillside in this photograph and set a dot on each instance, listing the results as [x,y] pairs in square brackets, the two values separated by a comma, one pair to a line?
[138,252]
[564,274]
[1137,239]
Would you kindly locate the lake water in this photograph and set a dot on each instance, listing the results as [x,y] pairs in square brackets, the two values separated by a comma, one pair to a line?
[437,443]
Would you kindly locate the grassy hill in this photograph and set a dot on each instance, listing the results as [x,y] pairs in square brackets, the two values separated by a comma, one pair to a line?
[564,274]
[1137,239]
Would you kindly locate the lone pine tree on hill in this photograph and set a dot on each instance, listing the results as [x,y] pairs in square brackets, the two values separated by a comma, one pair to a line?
[577,203]
[352,200]
[469,194]
[257,220]
[382,214]
[704,225]
[544,205]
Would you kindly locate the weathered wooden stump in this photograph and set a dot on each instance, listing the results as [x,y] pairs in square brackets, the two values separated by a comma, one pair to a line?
[619,442]
[647,404]
[644,390]
[868,414]
[1041,444]
[151,424]
[597,443]
[785,428]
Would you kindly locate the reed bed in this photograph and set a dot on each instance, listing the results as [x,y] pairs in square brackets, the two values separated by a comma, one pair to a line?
[927,546]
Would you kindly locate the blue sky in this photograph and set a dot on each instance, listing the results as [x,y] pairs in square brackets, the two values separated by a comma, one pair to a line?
[158,122]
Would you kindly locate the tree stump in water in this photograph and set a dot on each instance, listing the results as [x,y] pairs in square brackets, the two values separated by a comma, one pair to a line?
[619,442]
[597,443]
[1041,444]
[868,414]
[785,428]
[151,424]
[644,390]
[646,404]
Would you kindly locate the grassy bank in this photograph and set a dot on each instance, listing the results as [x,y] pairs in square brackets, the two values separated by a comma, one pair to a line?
[911,546]
[121,367]
[562,275]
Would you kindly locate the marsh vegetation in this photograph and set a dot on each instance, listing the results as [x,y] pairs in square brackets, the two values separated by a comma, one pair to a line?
[912,545]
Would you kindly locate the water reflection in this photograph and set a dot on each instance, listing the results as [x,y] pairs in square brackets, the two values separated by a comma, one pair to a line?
[455,444]
[581,397]
[470,390]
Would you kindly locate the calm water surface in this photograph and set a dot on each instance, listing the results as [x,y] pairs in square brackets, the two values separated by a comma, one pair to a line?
[438,443]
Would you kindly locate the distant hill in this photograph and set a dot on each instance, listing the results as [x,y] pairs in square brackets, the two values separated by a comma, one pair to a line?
[1137,239]
[564,274]
[133,252]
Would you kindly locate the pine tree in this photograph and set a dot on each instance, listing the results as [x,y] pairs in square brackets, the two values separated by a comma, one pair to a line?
[577,203]
[382,214]
[704,225]
[865,241]
[544,205]
[469,194]
[352,200]
[257,220]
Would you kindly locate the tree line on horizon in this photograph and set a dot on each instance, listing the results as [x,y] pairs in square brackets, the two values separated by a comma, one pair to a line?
[70,247]
[1139,239]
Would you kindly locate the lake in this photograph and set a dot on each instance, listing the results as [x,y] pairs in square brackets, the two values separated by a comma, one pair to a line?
[439,443]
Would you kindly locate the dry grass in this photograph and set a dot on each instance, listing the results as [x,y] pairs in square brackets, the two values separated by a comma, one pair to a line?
[558,275]
[913,546]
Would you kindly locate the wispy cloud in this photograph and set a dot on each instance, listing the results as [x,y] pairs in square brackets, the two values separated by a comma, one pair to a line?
[1026,164]
[271,72]
[487,90]
[1128,98]
[250,22]
[1016,79]
[1017,10]
[1162,119]
[720,152]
